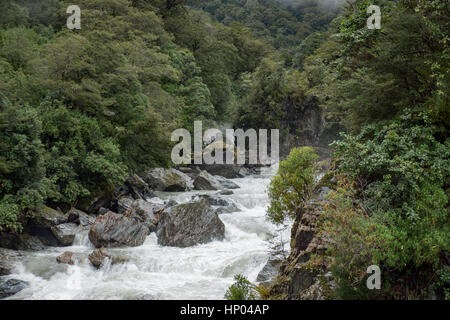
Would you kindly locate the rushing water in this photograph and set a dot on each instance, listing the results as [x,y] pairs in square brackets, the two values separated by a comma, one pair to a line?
[156,272]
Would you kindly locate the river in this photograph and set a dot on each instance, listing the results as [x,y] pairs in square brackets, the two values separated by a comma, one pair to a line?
[154,272]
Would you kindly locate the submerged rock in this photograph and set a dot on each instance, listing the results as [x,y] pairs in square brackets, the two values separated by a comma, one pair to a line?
[190,224]
[8,260]
[98,258]
[168,180]
[117,230]
[67,257]
[11,287]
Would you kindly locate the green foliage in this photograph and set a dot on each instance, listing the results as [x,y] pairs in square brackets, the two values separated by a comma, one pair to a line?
[292,185]
[242,289]
[395,213]
[20,163]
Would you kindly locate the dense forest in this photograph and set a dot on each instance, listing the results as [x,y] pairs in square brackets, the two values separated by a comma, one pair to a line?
[82,110]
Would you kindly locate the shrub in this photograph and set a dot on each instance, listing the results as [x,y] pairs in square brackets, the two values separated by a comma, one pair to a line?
[293,184]
[242,289]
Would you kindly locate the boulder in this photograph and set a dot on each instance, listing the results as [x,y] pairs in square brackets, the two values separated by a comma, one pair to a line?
[124,204]
[170,180]
[223,204]
[8,260]
[79,217]
[228,171]
[146,213]
[189,224]
[11,286]
[46,217]
[138,188]
[117,230]
[98,258]
[67,257]
[20,241]
[225,193]
[42,223]
[65,233]
[226,183]
[205,181]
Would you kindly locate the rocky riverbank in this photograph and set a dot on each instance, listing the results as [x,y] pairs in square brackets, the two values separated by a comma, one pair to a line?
[126,218]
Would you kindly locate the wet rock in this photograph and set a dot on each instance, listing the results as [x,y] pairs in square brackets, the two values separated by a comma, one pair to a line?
[116,230]
[191,171]
[226,183]
[80,218]
[171,203]
[11,287]
[146,213]
[138,188]
[269,271]
[224,204]
[8,260]
[98,258]
[225,193]
[65,233]
[46,217]
[41,225]
[170,180]
[67,257]
[20,242]
[124,204]
[228,171]
[190,224]
[205,181]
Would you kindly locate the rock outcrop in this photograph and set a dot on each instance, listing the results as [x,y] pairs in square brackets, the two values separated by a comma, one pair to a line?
[189,224]
[171,180]
[299,278]
[117,230]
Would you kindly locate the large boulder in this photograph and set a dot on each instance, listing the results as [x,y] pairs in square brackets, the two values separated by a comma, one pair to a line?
[189,224]
[117,230]
[11,286]
[205,181]
[98,257]
[67,257]
[65,233]
[168,180]
[41,225]
[8,260]
[17,241]
[146,213]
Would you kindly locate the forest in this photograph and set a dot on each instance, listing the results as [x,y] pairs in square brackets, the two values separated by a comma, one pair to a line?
[83,110]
